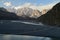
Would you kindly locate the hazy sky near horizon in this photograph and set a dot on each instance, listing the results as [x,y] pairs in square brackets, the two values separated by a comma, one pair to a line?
[21,2]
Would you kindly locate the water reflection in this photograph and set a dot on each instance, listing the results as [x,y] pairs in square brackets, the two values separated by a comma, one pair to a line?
[22,37]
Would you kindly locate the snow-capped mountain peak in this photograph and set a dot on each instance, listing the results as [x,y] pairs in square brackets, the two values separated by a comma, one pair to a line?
[28,12]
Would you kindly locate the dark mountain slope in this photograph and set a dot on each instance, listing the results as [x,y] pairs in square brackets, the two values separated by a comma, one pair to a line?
[52,17]
[5,15]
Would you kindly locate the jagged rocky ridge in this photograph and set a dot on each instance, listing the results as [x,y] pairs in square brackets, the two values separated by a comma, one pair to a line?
[52,17]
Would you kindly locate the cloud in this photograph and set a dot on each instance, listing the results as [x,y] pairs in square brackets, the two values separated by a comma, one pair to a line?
[39,7]
[7,4]
[48,6]
[23,5]
[26,5]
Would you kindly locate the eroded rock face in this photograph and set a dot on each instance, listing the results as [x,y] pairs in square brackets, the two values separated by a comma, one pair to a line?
[52,17]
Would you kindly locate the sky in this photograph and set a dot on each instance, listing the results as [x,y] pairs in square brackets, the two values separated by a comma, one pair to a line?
[20,3]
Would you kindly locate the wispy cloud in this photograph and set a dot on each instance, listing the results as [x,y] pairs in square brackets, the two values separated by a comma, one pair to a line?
[39,7]
[24,5]
[7,4]
[48,6]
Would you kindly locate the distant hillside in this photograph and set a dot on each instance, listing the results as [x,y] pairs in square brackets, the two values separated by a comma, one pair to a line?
[5,15]
[52,17]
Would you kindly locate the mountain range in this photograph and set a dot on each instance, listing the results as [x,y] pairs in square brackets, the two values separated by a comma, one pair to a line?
[49,17]
[26,11]
[12,15]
